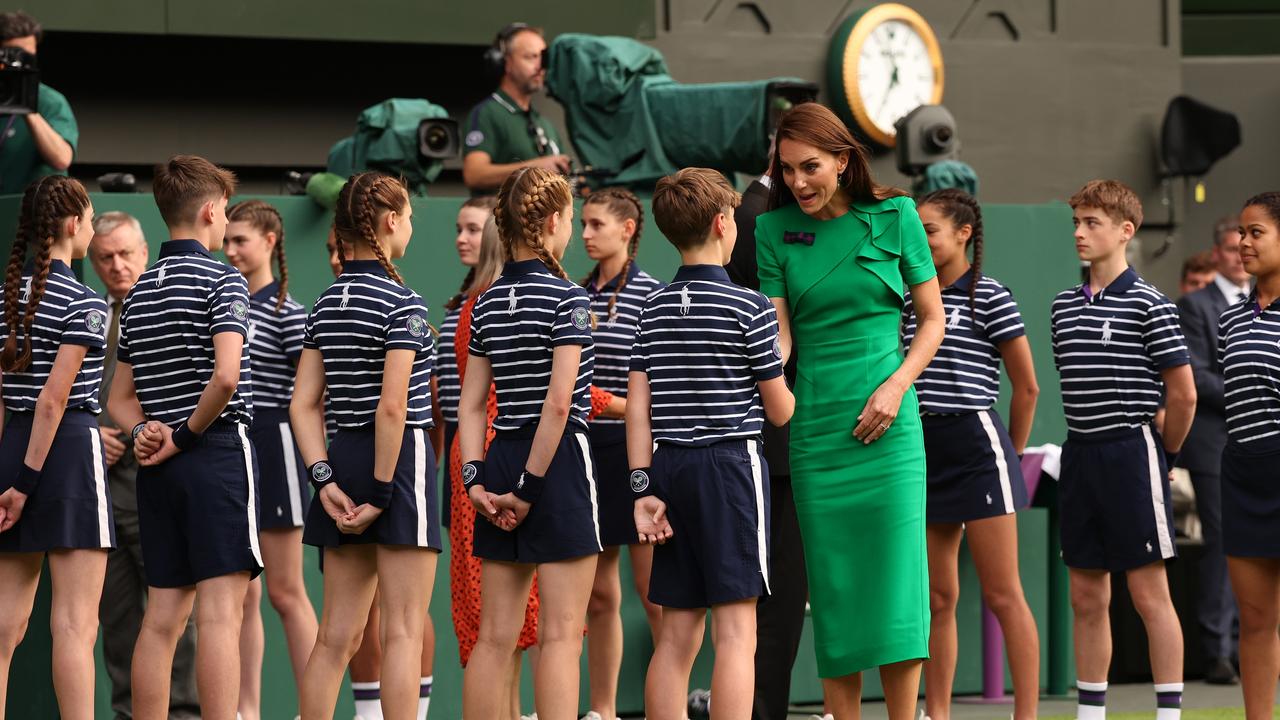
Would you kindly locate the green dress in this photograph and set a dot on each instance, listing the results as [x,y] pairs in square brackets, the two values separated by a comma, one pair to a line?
[861,507]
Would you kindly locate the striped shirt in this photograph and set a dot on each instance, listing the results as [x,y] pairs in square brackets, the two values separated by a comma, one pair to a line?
[1249,349]
[706,345]
[448,383]
[167,327]
[616,332]
[69,313]
[517,323]
[964,375]
[362,315]
[275,342]
[1109,348]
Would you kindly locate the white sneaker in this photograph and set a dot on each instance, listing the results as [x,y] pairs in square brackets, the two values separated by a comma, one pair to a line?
[828,716]
[593,715]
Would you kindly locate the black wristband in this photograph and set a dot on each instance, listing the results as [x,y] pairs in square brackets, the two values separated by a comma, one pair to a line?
[27,480]
[640,482]
[1170,457]
[381,495]
[320,474]
[184,438]
[529,487]
[473,473]
[137,429]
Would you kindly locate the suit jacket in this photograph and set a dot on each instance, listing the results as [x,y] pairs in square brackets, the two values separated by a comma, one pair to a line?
[1199,313]
[743,270]
[126,469]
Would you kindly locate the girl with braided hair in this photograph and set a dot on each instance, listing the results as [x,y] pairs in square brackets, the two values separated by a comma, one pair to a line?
[368,343]
[255,237]
[53,493]
[612,220]
[973,472]
[535,487]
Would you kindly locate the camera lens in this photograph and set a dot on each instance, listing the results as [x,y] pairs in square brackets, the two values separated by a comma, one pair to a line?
[939,137]
[437,138]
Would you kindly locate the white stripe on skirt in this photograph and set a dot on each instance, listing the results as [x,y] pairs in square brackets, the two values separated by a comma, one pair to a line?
[100,490]
[762,541]
[1002,462]
[253,503]
[589,464]
[420,483]
[291,473]
[1157,495]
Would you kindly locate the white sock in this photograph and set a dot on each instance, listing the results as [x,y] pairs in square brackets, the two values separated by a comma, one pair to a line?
[368,699]
[1092,704]
[1169,701]
[424,697]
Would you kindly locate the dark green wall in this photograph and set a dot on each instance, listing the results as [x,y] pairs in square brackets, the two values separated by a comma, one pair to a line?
[1231,27]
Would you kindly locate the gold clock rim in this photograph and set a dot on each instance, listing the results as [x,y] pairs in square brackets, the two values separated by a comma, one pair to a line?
[869,20]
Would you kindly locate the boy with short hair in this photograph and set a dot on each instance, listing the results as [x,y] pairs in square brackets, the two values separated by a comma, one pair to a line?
[182,384]
[706,359]
[1117,344]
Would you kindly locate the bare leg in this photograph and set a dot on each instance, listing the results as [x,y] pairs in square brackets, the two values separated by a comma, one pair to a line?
[1090,606]
[641,567]
[350,579]
[994,544]
[901,682]
[733,632]
[843,696]
[19,577]
[219,611]
[405,579]
[163,622]
[565,590]
[504,592]
[944,592]
[667,681]
[1149,589]
[282,556]
[1257,585]
[604,634]
[252,646]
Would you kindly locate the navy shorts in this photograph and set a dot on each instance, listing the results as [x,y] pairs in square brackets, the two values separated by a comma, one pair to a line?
[974,472]
[718,505]
[71,505]
[198,511]
[410,519]
[617,502]
[563,524]
[1250,502]
[283,491]
[1114,501]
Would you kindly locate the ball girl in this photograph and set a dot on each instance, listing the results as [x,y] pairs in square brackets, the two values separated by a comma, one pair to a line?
[53,490]
[368,343]
[535,487]
[612,220]
[255,237]
[1247,347]
[974,476]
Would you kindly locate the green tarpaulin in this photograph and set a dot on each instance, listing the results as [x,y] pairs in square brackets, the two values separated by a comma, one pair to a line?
[386,139]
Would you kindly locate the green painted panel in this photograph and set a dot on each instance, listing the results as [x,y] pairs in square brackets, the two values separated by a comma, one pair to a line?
[1235,34]
[1223,7]
[116,16]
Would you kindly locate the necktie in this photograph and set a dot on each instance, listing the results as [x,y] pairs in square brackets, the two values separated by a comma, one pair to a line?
[113,331]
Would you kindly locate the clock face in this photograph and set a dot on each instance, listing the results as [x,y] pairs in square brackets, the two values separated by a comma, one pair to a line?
[895,74]
[883,63]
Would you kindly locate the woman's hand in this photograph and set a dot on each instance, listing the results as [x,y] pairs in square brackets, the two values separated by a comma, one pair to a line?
[336,504]
[652,526]
[486,505]
[880,411]
[516,509]
[11,504]
[358,520]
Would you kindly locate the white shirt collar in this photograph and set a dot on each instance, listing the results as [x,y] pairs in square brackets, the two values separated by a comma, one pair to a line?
[1230,290]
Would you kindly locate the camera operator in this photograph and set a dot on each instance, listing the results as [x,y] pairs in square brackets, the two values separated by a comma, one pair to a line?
[40,143]
[504,132]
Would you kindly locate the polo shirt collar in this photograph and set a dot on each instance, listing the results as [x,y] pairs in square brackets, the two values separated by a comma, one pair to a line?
[523,267]
[369,267]
[183,247]
[509,104]
[267,292]
[56,267]
[1120,285]
[963,282]
[632,271]
[710,273]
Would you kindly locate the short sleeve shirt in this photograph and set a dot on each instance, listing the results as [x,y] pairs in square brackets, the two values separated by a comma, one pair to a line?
[20,161]
[499,127]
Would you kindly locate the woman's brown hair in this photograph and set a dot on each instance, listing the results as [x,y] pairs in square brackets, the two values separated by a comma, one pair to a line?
[485,203]
[265,219]
[814,124]
[623,205]
[46,204]
[363,200]
[526,199]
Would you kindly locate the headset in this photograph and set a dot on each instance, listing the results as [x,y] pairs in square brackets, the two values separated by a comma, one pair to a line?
[495,56]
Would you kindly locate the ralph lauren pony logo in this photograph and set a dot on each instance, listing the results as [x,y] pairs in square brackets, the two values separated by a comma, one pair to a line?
[791,237]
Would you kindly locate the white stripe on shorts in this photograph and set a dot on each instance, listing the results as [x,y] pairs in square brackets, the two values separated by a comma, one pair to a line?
[1002,462]
[1157,495]
[591,485]
[420,483]
[762,540]
[253,503]
[291,474]
[100,490]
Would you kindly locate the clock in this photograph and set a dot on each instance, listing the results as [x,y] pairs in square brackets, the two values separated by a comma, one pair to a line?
[883,63]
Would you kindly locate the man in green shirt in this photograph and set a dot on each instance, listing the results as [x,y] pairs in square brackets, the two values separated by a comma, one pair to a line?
[504,132]
[40,143]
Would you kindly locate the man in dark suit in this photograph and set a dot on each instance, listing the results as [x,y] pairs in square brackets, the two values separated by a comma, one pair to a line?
[1202,450]
[118,253]
[780,616]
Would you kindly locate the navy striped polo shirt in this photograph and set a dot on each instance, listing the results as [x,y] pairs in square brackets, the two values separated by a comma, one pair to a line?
[1249,349]
[69,313]
[448,383]
[167,327]
[1109,348]
[964,375]
[516,324]
[275,342]
[614,335]
[706,345]
[362,315]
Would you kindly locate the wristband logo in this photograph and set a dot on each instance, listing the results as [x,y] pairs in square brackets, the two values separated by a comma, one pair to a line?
[777,348]
[239,309]
[581,318]
[417,326]
[94,321]
[468,474]
[321,472]
[639,481]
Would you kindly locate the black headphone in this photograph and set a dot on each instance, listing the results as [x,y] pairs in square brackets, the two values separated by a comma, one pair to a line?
[495,56]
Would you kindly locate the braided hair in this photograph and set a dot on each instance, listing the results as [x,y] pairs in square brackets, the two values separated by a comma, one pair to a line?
[487,204]
[962,209]
[363,200]
[623,205]
[265,219]
[46,204]
[526,199]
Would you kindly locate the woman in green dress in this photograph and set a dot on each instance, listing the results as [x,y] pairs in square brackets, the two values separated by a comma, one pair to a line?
[835,254]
